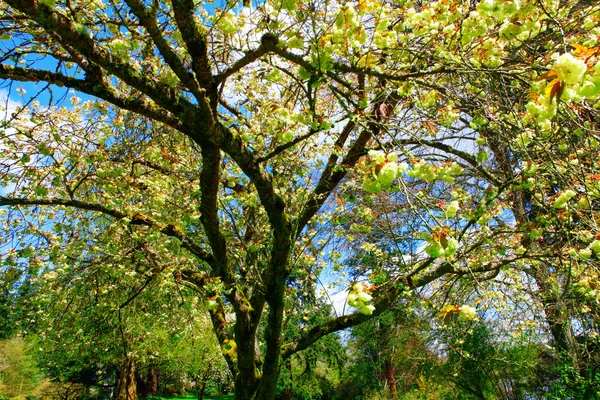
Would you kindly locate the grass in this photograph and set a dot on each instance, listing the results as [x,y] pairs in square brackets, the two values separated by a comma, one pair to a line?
[192,396]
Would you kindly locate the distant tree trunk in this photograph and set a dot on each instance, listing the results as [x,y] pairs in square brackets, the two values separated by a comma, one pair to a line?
[126,385]
[201,388]
[390,377]
[201,384]
[152,381]
[141,385]
[557,316]
[147,385]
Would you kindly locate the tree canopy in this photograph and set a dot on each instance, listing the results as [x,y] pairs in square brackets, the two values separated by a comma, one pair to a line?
[244,151]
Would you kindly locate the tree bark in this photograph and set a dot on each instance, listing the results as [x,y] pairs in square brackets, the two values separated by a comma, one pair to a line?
[200,386]
[390,377]
[556,314]
[152,381]
[126,385]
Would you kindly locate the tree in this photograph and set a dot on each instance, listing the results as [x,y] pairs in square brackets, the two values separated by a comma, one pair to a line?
[19,377]
[250,133]
[110,316]
[389,354]
[314,373]
[197,357]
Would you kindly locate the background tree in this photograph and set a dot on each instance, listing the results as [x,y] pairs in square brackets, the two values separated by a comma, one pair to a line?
[119,312]
[313,373]
[19,376]
[197,358]
[389,355]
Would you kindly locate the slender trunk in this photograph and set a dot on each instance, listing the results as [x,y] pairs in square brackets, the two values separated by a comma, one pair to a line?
[247,379]
[126,385]
[270,372]
[250,383]
[152,381]
[390,378]
[201,388]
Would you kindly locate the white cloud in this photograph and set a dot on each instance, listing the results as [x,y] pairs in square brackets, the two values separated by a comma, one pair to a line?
[7,105]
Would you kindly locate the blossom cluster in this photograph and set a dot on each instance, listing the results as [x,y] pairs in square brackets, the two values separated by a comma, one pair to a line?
[360,297]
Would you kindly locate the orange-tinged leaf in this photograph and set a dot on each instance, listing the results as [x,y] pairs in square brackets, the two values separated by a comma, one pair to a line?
[447,309]
[584,52]
[555,89]
[548,75]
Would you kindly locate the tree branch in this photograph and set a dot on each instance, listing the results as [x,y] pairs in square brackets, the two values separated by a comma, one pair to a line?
[91,87]
[284,147]
[209,188]
[384,300]
[339,67]
[268,43]
[449,149]
[136,219]
[333,173]
[54,21]
[194,39]
[149,22]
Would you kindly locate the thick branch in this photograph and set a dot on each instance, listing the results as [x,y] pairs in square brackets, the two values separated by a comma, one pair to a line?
[91,87]
[136,219]
[194,38]
[149,22]
[209,188]
[273,204]
[317,332]
[18,201]
[54,21]
[384,301]
[268,43]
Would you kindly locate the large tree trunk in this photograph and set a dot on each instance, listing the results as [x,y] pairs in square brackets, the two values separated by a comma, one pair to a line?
[556,314]
[126,385]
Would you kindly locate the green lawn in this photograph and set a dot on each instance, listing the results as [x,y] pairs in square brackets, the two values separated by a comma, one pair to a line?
[192,396]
